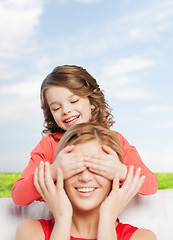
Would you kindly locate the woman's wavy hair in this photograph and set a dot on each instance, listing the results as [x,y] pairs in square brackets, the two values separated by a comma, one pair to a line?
[84,132]
[81,83]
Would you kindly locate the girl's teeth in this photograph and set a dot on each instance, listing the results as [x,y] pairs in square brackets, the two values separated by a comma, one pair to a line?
[71,119]
[87,189]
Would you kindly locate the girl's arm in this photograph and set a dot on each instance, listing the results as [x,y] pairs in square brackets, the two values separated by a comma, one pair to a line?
[131,157]
[23,191]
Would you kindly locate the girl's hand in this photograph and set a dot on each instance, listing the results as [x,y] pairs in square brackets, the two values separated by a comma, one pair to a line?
[69,162]
[120,197]
[54,195]
[106,165]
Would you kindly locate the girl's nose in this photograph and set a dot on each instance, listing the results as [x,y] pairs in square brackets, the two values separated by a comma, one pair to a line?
[85,176]
[66,109]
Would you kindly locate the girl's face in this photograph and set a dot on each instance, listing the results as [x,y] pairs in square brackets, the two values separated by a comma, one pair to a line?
[67,108]
[87,190]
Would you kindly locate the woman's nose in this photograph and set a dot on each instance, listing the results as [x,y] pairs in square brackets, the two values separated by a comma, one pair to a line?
[85,176]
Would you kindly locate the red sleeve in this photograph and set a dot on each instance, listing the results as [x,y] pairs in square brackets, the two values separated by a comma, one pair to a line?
[47,226]
[131,157]
[125,231]
[23,191]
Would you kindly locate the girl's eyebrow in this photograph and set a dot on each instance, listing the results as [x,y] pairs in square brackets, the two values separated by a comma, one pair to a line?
[72,95]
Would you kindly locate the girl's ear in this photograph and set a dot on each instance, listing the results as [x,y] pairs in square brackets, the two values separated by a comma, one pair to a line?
[92,107]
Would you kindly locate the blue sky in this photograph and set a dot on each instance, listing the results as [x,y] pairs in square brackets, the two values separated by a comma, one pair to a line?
[126,45]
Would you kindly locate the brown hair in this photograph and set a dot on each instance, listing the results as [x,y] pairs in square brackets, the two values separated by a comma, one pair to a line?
[80,83]
[83,132]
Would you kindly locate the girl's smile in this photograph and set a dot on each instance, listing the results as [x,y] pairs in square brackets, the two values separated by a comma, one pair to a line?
[67,108]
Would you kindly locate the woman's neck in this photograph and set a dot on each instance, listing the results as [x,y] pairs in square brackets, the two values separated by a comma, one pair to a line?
[85,224]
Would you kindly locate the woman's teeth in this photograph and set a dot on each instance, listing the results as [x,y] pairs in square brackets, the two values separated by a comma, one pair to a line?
[86,189]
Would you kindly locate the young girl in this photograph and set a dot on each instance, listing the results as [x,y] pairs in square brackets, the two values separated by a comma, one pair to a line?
[69,96]
[88,205]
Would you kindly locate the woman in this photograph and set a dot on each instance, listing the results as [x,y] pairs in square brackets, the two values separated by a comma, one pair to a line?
[86,205]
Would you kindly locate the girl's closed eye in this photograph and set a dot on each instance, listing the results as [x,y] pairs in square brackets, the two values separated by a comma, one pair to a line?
[55,109]
[75,101]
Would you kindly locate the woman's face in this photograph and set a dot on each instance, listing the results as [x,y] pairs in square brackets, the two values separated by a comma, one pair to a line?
[87,190]
[67,108]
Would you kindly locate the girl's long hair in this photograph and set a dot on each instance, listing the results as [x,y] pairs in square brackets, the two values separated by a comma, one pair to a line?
[80,83]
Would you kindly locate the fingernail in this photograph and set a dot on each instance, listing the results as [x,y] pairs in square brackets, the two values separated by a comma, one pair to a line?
[41,162]
[139,169]
[131,168]
[143,177]
[36,169]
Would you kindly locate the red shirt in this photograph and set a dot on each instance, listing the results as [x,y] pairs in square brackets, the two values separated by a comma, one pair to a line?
[24,192]
[124,231]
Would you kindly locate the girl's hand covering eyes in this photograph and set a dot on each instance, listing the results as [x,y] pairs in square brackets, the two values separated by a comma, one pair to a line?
[106,165]
[120,197]
[54,195]
[70,163]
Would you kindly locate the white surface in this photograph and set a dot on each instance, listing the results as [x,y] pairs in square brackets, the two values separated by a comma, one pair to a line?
[154,212]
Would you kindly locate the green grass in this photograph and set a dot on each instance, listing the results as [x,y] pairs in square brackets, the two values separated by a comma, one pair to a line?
[165,180]
[7,180]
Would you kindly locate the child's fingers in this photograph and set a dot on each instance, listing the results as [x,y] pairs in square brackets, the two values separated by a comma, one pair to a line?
[67,149]
[77,170]
[108,150]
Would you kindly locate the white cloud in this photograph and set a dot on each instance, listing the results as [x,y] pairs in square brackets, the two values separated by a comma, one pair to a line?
[27,88]
[17,108]
[159,109]
[18,22]
[128,93]
[88,1]
[20,100]
[125,66]
[13,161]
[165,124]
[148,24]
[122,78]
[158,161]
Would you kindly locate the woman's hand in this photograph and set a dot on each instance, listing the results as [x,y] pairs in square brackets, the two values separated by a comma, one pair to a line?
[120,197]
[106,165]
[54,195]
[70,163]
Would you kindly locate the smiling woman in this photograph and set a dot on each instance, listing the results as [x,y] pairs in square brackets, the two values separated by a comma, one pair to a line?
[87,204]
